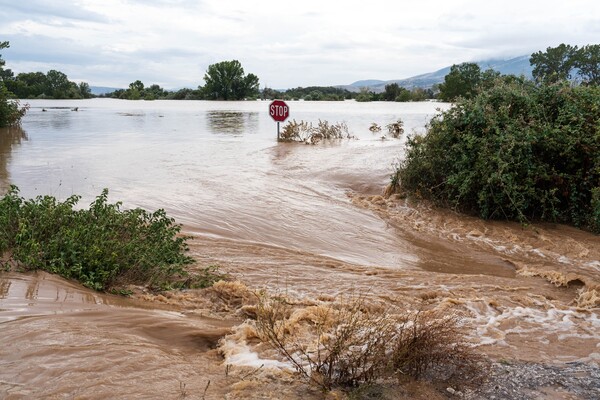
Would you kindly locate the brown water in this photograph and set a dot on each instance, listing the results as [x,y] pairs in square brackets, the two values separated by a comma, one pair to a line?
[305,219]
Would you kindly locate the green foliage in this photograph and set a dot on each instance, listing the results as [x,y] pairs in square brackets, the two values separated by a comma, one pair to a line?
[54,84]
[516,150]
[10,110]
[558,63]
[226,81]
[555,64]
[588,64]
[461,81]
[101,247]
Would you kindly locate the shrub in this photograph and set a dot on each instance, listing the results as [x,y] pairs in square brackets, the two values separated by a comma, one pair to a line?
[10,110]
[101,247]
[347,345]
[305,132]
[515,151]
[395,129]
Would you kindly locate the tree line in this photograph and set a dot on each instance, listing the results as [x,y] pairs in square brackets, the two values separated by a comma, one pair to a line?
[561,63]
[227,80]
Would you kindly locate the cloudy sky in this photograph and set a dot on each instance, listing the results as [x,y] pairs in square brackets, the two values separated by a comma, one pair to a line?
[285,43]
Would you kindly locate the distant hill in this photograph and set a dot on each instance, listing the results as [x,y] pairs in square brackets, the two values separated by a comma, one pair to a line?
[517,66]
[98,90]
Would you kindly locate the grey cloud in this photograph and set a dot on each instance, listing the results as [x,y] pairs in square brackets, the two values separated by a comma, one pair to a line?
[44,9]
[44,49]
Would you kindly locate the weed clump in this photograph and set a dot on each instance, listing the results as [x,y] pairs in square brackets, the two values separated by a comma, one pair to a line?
[516,151]
[101,247]
[348,345]
[306,132]
[394,129]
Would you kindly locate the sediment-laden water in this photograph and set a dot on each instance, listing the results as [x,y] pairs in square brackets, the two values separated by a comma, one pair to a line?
[307,220]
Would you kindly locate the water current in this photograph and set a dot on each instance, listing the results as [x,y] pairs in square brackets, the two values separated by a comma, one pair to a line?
[306,219]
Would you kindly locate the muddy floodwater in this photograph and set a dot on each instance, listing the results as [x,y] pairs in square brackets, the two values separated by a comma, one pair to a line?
[307,220]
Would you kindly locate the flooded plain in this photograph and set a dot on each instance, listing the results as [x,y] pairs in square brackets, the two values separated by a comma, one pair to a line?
[306,219]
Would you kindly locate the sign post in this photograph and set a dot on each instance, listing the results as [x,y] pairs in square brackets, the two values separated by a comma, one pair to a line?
[279,111]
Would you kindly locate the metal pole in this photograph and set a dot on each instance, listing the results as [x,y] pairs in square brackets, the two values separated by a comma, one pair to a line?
[278,131]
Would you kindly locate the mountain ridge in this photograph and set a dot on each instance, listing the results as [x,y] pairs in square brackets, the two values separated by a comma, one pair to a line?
[516,65]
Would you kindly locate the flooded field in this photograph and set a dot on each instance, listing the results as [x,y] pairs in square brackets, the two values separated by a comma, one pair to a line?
[307,220]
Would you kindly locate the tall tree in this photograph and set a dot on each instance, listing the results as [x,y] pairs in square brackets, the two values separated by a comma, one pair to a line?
[462,81]
[84,90]
[391,91]
[58,85]
[226,81]
[555,64]
[588,64]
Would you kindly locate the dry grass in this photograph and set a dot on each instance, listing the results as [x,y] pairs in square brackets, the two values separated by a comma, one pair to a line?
[306,132]
[346,345]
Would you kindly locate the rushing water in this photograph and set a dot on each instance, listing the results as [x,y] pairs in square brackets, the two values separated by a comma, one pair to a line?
[307,218]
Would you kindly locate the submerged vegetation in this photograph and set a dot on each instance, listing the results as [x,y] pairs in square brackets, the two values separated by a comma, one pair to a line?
[347,345]
[306,132]
[102,247]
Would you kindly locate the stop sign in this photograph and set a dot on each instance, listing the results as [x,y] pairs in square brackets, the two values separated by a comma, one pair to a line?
[279,110]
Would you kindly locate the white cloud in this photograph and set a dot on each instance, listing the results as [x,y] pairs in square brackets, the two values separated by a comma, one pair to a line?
[287,44]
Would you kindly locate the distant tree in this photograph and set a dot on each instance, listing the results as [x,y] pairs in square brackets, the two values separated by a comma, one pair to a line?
[391,92]
[226,81]
[404,95]
[555,64]
[462,81]
[270,94]
[58,85]
[365,95]
[153,92]
[84,90]
[28,85]
[135,91]
[587,61]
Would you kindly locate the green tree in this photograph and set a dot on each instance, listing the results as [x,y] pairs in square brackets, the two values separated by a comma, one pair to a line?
[58,85]
[29,85]
[555,64]
[588,64]
[226,81]
[84,90]
[391,92]
[462,81]
[135,91]
[10,111]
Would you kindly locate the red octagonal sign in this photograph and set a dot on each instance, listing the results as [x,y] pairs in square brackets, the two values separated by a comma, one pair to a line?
[279,110]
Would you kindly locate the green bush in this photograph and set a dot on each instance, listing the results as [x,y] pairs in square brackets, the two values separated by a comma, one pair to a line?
[101,247]
[10,110]
[515,151]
